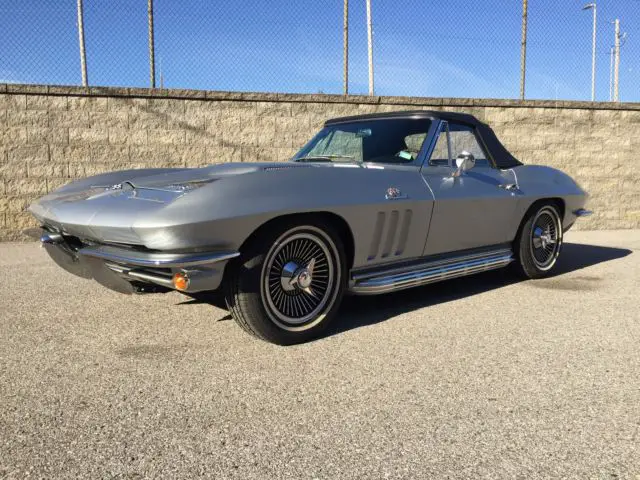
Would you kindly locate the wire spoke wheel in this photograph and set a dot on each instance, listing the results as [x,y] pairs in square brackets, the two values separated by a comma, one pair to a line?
[300,279]
[546,238]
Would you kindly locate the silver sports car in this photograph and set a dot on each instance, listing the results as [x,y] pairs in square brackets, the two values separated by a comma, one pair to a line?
[372,204]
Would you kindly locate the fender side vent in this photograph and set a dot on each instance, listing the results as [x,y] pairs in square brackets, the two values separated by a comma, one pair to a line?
[391,233]
[377,236]
[404,232]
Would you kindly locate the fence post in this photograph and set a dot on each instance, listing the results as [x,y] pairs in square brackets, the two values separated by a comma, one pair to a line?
[83,55]
[370,41]
[523,49]
[152,59]
[346,47]
[616,65]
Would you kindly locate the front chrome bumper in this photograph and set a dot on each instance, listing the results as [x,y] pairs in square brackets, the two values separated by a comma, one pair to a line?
[155,259]
[121,268]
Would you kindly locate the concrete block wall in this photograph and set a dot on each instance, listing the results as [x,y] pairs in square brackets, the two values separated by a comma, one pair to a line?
[51,135]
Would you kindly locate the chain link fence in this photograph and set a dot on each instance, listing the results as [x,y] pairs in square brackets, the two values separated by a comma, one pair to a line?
[438,49]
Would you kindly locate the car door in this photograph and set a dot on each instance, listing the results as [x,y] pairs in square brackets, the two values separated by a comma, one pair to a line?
[471,210]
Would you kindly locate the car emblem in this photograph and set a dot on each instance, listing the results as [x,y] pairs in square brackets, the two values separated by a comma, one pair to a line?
[394,193]
[121,186]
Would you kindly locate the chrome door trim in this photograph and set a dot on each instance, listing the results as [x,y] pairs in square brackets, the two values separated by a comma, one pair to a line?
[428,149]
[429,144]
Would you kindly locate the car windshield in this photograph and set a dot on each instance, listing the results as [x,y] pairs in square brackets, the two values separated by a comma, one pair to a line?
[378,141]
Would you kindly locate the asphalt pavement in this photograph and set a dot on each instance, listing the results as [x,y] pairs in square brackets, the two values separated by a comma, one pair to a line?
[479,377]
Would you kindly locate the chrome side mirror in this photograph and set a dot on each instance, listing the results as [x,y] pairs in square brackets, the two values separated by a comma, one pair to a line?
[465,161]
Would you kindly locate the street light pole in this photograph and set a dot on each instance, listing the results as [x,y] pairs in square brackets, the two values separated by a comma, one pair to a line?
[523,49]
[593,6]
[370,41]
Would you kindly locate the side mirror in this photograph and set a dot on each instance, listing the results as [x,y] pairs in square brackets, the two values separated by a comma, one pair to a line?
[465,161]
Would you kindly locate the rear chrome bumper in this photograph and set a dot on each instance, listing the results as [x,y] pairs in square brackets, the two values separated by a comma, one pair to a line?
[117,267]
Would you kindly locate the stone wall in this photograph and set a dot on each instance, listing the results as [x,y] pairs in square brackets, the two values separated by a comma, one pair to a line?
[51,135]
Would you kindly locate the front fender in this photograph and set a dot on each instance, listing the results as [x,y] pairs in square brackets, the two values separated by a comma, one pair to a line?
[225,213]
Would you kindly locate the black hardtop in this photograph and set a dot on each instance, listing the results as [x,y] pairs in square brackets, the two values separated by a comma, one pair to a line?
[443,115]
[501,157]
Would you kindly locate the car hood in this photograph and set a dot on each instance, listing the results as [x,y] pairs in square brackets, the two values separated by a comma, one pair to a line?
[105,207]
[167,180]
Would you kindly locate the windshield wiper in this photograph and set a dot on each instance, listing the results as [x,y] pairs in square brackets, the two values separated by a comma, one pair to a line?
[312,158]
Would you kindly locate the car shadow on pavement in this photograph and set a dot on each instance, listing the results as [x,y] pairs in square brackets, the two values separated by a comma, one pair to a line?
[360,311]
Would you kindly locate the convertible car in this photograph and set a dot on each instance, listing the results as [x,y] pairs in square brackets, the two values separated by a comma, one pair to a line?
[372,204]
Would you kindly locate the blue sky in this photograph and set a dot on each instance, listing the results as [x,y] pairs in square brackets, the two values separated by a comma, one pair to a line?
[459,48]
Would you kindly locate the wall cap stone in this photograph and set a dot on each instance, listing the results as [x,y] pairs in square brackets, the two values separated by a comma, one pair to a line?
[135,92]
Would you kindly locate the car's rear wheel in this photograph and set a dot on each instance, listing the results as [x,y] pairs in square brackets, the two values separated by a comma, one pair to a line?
[288,283]
[539,242]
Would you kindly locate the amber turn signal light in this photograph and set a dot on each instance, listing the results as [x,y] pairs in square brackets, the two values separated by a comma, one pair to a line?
[180,281]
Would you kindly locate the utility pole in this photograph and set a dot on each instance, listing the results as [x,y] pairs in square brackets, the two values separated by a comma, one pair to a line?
[616,66]
[346,47]
[523,49]
[152,60]
[592,6]
[83,55]
[370,37]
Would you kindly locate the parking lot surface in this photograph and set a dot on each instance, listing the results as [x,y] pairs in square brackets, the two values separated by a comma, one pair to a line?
[479,377]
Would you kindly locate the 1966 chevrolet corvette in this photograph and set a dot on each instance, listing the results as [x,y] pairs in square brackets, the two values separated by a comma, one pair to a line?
[372,204]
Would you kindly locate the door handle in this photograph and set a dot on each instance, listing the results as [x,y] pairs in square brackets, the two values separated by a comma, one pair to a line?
[508,186]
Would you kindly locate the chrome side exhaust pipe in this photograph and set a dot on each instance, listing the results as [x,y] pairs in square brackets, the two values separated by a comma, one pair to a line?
[51,238]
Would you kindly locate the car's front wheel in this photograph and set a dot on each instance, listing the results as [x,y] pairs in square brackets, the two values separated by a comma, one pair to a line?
[539,242]
[288,283]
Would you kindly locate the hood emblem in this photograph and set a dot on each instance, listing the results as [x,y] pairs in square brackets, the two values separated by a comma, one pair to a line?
[121,186]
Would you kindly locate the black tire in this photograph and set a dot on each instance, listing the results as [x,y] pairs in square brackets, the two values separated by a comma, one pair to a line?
[539,241]
[276,293]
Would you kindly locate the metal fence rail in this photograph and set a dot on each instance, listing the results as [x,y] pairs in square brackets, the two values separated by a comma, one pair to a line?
[491,48]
